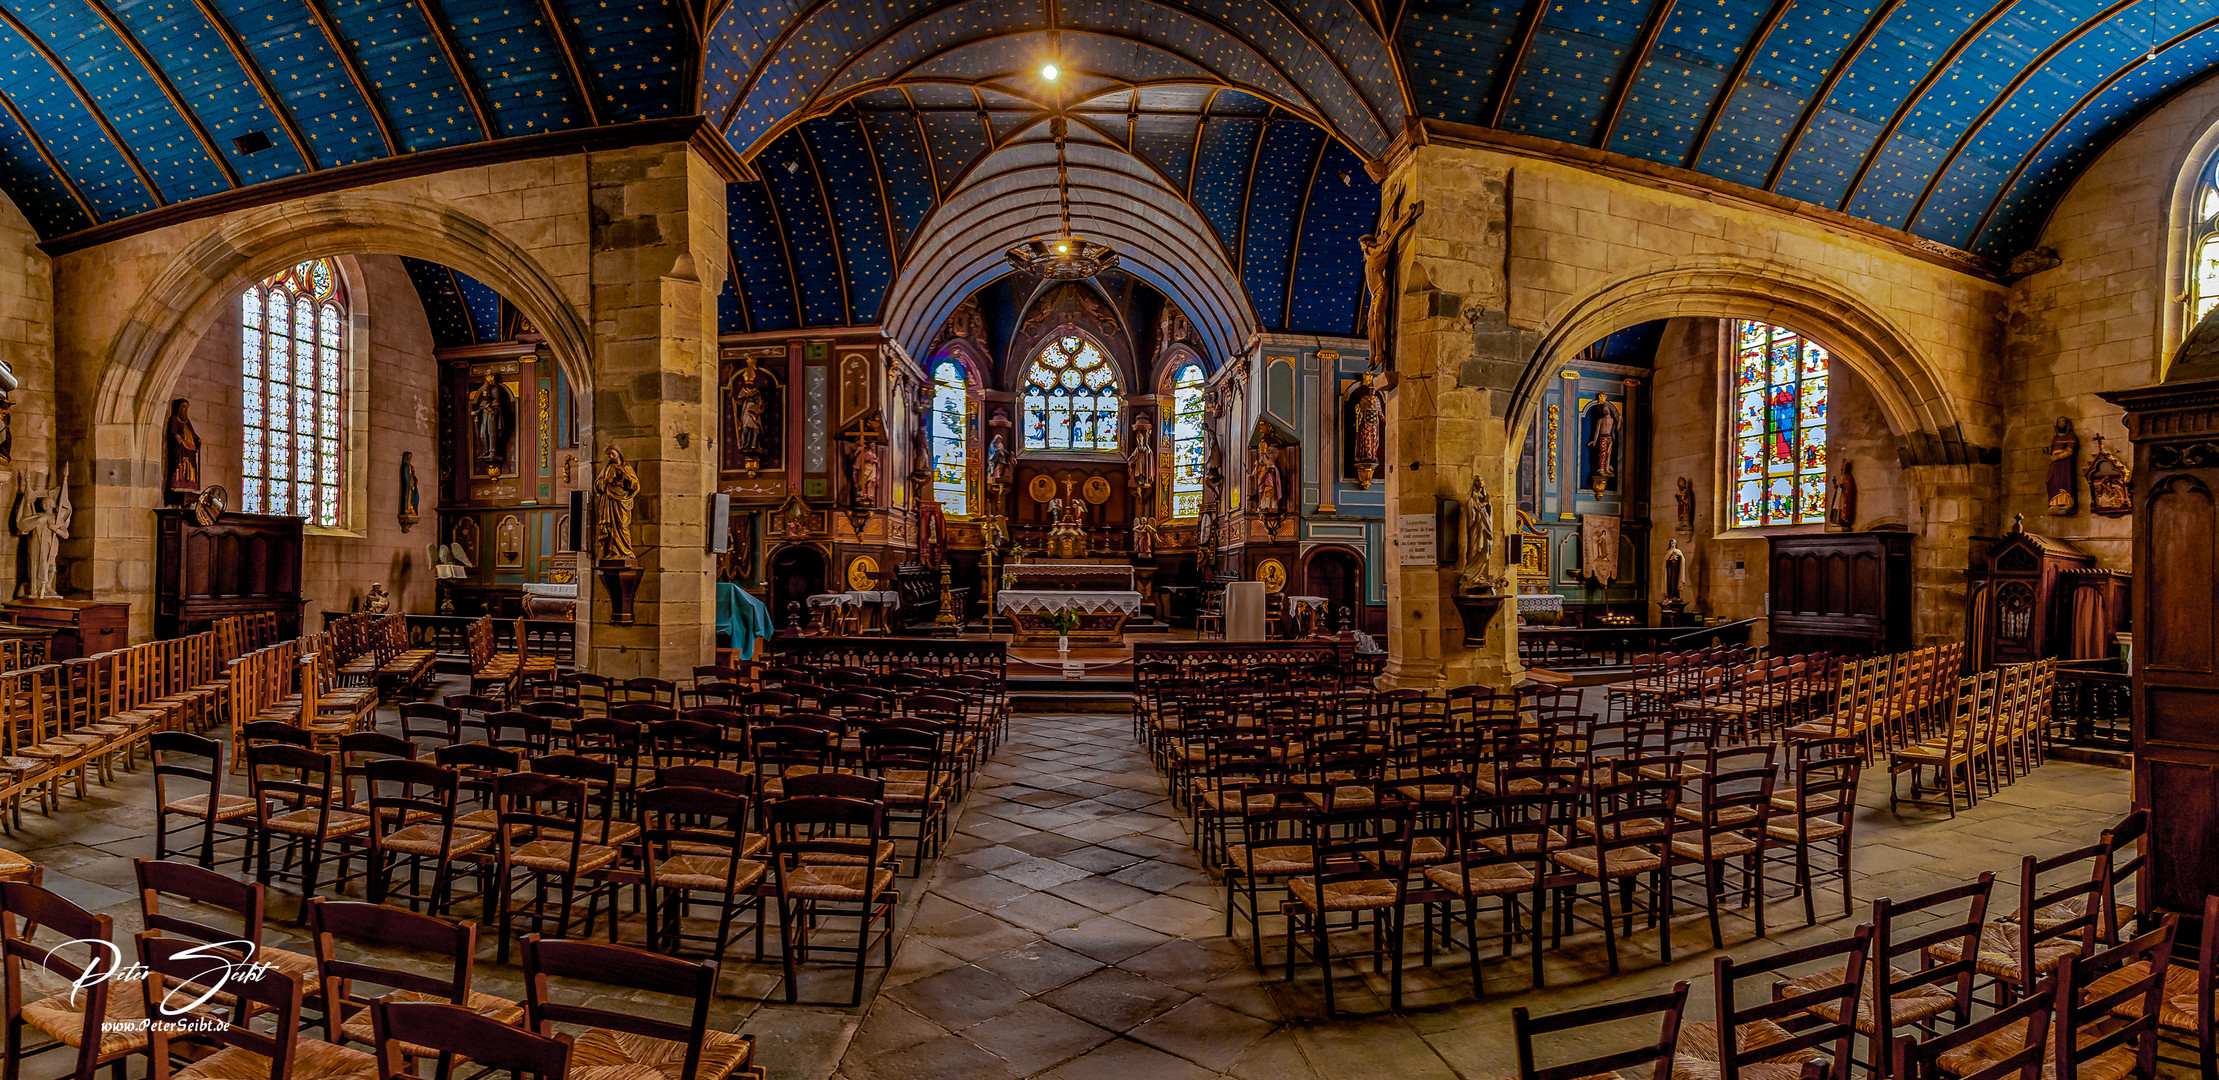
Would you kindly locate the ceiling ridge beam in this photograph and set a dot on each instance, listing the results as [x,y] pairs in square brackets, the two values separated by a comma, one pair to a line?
[1732,83]
[434,14]
[108,129]
[1294,243]
[1825,89]
[1498,95]
[2067,116]
[569,51]
[885,202]
[810,107]
[1995,106]
[832,225]
[352,65]
[924,139]
[169,89]
[1194,152]
[785,247]
[1248,197]
[7,104]
[1910,101]
[279,111]
[1652,29]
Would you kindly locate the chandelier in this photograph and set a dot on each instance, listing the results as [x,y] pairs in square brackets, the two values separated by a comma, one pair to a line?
[1066,256]
[1062,258]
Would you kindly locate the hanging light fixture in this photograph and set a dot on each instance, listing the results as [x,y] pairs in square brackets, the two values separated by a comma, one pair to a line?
[1064,256]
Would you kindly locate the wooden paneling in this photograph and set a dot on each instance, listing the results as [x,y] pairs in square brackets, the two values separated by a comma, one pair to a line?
[1841,592]
[242,564]
[2181,541]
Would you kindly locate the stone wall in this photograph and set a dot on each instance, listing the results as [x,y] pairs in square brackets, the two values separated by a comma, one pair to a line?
[27,344]
[392,405]
[2101,319]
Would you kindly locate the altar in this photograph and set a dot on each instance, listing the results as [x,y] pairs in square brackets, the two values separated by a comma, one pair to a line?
[1097,598]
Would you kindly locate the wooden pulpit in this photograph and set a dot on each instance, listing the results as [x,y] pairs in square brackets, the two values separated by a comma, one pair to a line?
[2175,427]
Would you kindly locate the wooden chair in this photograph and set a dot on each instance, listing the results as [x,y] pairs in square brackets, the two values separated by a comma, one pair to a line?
[1948,756]
[1502,860]
[412,807]
[1821,809]
[98,1023]
[1902,1000]
[1628,839]
[274,1050]
[438,966]
[441,725]
[451,1032]
[1657,1055]
[543,845]
[207,890]
[830,858]
[182,762]
[626,1040]
[2028,1021]
[698,851]
[2019,951]
[2096,1033]
[301,798]
[1356,860]
[1757,1033]
[1729,825]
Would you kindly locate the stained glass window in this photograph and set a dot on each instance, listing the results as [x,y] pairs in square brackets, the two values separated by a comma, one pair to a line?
[1071,398]
[289,346]
[951,438]
[1187,443]
[2203,246]
[1778,472]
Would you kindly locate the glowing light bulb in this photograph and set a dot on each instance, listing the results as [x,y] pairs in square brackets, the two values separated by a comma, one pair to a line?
[1063,249]
[1049,72]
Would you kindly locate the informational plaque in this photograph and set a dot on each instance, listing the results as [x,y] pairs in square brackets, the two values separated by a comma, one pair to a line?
[1415,536]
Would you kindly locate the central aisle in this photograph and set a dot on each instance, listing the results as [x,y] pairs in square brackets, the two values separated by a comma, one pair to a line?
[1070,932]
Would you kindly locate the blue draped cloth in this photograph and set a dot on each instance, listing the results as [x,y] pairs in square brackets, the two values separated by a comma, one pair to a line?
[741,618]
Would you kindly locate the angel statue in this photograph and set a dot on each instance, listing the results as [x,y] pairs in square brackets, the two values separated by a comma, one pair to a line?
[42,516]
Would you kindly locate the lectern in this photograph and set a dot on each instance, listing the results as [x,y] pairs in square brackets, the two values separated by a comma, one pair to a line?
[2175,427]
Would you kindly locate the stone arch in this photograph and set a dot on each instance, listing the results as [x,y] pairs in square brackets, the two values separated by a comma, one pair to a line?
[2174,326]
[163,327]
[1929,425]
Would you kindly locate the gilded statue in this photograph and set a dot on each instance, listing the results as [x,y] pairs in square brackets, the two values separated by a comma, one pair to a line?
[613,493]
[1368,413]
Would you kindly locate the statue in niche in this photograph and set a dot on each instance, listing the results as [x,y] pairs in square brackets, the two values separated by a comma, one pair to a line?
[1368,412]
[1685,497]
[412,493]
[1673,557]
[2064,487]
[42,515]
[184,454]
[1140,464]
[920,446]
[744,397]
[1379,263]
[613,493]
[1213,470]
[997,459]
[1841,498]
[2110,480]
[863,474]
[1602,442]
[492,422]
[379,601]
[1266,486]
[1479,540]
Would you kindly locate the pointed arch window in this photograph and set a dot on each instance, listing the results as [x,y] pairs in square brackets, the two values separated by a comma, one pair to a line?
[290,342]
[2203,246]
[1071,397]
[1187,442]
[1777,472]
[951,437]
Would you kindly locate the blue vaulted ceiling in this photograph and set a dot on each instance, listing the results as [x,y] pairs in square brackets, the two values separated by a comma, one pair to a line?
[462,310]
[1958,121]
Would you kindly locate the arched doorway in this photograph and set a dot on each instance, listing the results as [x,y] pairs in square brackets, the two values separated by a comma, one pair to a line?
[796,572]
[1337,574]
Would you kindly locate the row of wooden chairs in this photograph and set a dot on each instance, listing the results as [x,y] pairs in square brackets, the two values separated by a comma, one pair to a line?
[1661,679]
[1888,701]
[294,682]
[200,922]
[375,649]
[1993,735]
[60,722]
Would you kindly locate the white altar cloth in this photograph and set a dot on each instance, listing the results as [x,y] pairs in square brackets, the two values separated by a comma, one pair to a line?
[889,597]
[1084,601]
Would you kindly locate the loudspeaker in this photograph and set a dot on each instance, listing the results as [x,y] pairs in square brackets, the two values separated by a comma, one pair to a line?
[576,540]
[720,523]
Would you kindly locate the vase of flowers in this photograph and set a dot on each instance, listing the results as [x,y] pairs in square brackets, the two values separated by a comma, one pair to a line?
[1064,621]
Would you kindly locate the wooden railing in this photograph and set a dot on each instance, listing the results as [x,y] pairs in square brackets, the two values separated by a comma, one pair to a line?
[884,654]
[1588,646]
[450,635]
[1185,656]
[2094,706]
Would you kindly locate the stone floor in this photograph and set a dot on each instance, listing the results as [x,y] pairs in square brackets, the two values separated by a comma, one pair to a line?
[1070,933]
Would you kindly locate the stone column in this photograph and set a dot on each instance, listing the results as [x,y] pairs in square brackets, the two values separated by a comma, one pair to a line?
[658,221]
[1951,505]
[1456,361]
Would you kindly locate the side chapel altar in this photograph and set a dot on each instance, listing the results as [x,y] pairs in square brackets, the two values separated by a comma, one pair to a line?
[1099,596]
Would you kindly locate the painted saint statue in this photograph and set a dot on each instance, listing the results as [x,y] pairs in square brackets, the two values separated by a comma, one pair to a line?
[613,493]
[184,454]
[1368,412]
[2064,486]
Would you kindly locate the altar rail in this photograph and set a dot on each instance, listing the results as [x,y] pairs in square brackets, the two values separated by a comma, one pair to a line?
[2093,707]
[450,636]
[881,655]
[1185,657]
[1589,646]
